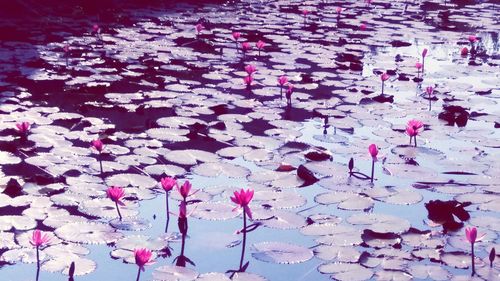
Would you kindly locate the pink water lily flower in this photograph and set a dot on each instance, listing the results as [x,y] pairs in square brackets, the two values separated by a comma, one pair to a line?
[66,48]
[39,239]
[282,80]
[260,44]
[373,150]
[243,198]
[245,46]
[411,132]
[424,52]
[429,90]
[185,190]
[384,76]
[97,145]
[199,27]
[236,35]
[362,27]
[96,28]
[168,183]
[471,235]
[412,129]
[116,193]
[418,65]
[305,12]
[23,128]
[415,124]
[143,257]
[250,69]
[248,80]
[464,51]
[472,38]
[338,10]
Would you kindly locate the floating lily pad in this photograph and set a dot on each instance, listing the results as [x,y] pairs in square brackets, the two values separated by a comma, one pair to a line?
[174,273]
[282,253]
[88,233]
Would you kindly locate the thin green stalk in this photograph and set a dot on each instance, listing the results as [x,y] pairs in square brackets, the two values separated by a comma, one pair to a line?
[244,238]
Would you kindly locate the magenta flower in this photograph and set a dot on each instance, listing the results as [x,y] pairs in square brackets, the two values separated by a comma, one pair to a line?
[248,80]
[167,183]
[116,194]
[245,47]
[418,65]
[362,27]
[472,39]
[415,124]
[471,235]
[39,239]
[429,90]
[338,10]
[282,80]
[464,51]
[23,128]
[236,35]
[66,48]
[384,77]
[411,132]
[185,189]
[97,145]
[424,54]
[305,12]
[250,69]
[372,148]
[243,198]
[412,129]
[199,27]
[260,44]
[143,257]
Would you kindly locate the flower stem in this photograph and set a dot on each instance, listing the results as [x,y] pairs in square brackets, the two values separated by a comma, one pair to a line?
[373,168]
[244,239]
[473,266]
[382,87]
[118,210]
[100,164]
[37,262]
[415,139]
[168,212]
[281,92]
[138,274]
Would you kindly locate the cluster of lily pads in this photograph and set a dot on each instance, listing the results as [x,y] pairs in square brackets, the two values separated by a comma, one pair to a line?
[251,140]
